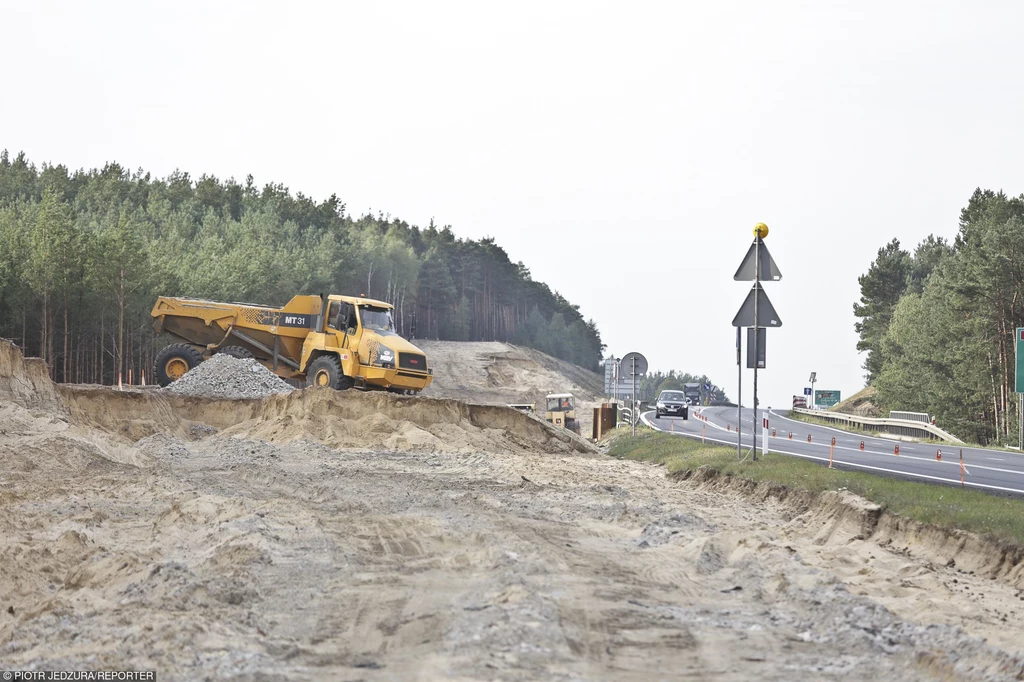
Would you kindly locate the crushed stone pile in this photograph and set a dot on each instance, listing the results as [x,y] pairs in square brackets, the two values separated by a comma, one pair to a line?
[224,376]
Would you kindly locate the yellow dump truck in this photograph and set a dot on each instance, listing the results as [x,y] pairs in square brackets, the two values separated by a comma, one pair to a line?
[338,341]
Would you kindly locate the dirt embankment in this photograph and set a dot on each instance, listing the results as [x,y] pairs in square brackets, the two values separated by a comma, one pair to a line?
[861,404]
[348,419]
[500,373]
[351,536]
[25,381]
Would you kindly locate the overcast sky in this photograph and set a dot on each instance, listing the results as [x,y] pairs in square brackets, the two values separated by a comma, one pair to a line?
[623,151]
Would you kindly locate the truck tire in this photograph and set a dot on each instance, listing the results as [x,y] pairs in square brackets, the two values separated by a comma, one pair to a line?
[173,361]
[239,352]
[326,372]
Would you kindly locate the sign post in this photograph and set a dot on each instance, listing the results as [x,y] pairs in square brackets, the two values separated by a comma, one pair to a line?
[637,366]
[1020,386]
[756,313]
[739,399]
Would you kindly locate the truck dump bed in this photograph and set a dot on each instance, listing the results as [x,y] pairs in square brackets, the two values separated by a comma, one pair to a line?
[272,334]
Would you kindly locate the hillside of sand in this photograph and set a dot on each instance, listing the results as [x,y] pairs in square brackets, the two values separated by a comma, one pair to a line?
[323,536]
[502,374]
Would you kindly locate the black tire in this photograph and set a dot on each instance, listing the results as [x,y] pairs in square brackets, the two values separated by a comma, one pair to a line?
[657,415]
[686,413]
[240,352]
[173,361]
[326,372]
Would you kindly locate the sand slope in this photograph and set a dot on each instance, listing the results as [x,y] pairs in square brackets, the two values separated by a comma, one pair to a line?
[368,537]
[500,373]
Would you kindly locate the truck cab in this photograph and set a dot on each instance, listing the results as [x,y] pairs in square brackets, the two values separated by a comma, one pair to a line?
[358,334]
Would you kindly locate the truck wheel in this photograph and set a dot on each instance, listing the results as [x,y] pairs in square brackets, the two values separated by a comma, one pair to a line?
[326,372]
[173,361]
[239,352]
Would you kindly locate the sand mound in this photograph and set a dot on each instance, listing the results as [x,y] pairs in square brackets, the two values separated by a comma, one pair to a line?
[224,376]
[26,381]
[502,373]
[94,425]
[382,421]
[346,419]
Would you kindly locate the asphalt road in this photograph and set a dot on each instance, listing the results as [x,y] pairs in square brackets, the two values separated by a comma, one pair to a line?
[994,470]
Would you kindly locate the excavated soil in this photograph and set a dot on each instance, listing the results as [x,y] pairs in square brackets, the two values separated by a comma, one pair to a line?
[503,374]
[323,536]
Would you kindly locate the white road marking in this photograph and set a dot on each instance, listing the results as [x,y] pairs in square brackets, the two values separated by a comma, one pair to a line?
[908,474]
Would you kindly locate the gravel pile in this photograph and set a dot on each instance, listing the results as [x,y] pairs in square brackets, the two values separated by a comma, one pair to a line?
[223,376]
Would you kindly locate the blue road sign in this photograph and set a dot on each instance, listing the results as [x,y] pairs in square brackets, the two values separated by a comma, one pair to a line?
[707,387]
[807,391]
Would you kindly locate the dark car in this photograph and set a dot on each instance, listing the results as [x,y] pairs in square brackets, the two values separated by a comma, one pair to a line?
[672,403]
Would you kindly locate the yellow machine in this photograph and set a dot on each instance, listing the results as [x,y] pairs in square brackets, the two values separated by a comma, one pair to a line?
[340,342]
[561,411]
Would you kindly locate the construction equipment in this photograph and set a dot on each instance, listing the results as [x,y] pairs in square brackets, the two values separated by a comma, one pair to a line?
[337,342]
[561,411]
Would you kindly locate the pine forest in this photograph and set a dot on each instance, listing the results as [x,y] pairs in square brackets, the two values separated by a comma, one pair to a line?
[84,254]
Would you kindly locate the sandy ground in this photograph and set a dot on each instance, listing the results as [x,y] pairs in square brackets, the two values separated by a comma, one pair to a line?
[501,374]
[253,541]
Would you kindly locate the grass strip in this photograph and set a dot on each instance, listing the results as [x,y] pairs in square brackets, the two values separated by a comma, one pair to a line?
[944,506]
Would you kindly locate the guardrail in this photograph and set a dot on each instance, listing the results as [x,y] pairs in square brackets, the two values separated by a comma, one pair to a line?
[910,416]
[896,427]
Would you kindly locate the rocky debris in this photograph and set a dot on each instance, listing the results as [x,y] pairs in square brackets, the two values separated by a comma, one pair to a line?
[162,446]
[223,376]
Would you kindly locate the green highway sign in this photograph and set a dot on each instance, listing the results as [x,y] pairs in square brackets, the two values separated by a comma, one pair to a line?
[1020,360]
[826,398]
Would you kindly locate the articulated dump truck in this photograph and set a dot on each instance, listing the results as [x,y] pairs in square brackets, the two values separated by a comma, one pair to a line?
[338,342]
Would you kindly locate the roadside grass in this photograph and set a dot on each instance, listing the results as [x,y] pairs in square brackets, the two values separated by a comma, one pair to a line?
[944,506]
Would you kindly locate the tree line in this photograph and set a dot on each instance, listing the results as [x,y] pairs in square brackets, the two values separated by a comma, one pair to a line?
[938,323]
[653,383]
[84,255]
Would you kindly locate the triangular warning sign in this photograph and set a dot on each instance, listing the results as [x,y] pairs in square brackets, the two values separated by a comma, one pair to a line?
[747,271]
[766,315]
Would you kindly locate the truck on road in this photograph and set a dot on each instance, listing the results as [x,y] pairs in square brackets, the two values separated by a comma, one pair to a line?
[337,342]
[692,392]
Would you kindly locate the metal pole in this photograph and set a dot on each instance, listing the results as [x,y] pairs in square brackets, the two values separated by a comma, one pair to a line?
[1020,421]
[757,285]
[615,380]
[739,392]
[633,411]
